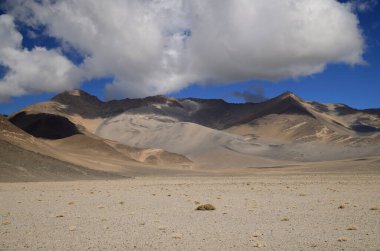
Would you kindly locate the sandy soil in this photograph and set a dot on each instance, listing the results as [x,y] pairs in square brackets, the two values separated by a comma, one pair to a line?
[265,211]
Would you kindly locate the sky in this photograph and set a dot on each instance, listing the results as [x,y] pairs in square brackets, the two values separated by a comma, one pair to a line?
[241,51]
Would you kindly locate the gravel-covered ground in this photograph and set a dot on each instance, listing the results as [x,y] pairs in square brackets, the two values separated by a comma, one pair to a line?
[272,212]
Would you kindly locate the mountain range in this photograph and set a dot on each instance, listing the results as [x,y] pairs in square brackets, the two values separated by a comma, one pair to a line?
[76,135]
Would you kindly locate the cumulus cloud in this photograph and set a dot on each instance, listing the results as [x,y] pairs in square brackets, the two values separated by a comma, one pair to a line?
[363,5]
[29,71]
[161,46]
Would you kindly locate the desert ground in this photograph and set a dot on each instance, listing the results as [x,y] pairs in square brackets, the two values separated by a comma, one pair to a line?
[268,210]
[77,173]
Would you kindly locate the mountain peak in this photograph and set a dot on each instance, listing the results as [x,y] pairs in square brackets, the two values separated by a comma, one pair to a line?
[74,92]
[288,95]
[75,96]
[77,92]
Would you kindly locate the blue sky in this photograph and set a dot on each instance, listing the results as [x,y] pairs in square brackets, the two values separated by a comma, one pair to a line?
[357,86]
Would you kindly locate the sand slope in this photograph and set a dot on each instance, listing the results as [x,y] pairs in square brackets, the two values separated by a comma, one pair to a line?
[25,158]
[212,133]
[81,156]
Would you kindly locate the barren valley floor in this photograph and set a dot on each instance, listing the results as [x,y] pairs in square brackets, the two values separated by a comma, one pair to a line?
[266,211]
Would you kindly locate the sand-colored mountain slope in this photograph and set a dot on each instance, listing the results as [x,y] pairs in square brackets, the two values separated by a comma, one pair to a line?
[99,154]
[197,142]
[80,156]
[316,124]
[293,128]
[10,132]
[25,158]
[15,136]
[285,128]
[20,165]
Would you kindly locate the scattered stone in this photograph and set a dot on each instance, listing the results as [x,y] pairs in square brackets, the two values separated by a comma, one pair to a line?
[285,219]
[176,236]
[259,244]
[205,207]
[163,227]
[257,234]
[342,239]
[352,227]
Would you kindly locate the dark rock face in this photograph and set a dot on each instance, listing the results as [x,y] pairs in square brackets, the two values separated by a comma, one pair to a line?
[43,125]
[364,128]
[213,113]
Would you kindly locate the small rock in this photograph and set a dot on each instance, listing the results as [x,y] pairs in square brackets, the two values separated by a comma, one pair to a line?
[352,227]
[342,239]
[285,219]
[205,207]
[176,236]
[259,244]
[163,227]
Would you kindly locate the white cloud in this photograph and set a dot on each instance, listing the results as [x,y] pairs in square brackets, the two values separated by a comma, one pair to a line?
[363,5]
[160,46]
[31,71]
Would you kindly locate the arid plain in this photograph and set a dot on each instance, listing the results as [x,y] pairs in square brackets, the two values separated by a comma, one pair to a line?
[77,173]
[269,211]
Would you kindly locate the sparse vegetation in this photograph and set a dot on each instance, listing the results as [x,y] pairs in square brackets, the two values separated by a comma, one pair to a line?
[342,206]
[205,207]
[375,208]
